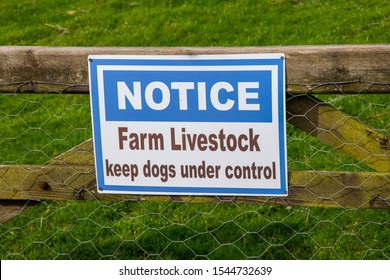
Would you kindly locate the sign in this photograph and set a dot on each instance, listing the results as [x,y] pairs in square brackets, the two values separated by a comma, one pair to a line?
[189,125]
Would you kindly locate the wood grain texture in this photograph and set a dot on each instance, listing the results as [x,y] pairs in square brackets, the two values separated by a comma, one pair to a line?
[309,69]
[306,188]
[13,208]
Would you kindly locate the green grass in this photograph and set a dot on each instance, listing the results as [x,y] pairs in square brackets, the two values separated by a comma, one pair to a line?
[149,230]
[35,128]
[193,23]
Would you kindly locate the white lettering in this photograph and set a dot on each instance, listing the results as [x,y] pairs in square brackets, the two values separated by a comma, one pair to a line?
[183,91]
[214,95]
[125,93]
[165,93]
[158,95]
[244,95]
[202,96]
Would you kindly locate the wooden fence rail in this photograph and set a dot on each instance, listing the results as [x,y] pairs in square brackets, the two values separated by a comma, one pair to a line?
[309,70]
[356,68]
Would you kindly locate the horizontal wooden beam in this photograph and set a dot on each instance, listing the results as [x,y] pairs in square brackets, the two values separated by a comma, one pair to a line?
[309,69]
[306,188]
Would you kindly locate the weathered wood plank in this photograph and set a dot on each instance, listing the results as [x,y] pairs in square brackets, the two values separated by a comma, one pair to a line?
[350,68]
[330,189]
[81,155]
[339,130]
[13,208]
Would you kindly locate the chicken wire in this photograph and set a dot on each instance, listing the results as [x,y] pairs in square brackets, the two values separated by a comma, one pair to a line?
[35,128]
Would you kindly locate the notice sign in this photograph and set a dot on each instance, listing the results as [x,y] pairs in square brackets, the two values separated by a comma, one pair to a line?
[189,125]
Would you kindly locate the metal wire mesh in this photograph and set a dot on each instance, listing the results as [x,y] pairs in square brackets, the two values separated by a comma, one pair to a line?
[37,129]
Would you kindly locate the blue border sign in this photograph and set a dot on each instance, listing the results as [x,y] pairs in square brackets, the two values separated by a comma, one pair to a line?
[189,125]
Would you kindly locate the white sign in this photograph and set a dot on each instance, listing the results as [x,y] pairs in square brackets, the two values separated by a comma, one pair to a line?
[189,125]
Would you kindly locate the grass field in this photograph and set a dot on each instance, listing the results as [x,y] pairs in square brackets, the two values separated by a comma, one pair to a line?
[35,128]
[193,23]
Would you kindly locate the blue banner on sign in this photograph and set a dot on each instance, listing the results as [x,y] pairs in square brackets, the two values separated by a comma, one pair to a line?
[188,96]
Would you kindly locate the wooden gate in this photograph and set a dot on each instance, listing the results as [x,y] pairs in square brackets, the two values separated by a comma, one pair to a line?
[310,71]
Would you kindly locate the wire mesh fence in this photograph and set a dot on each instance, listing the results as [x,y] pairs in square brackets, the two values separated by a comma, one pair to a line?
[50,210]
